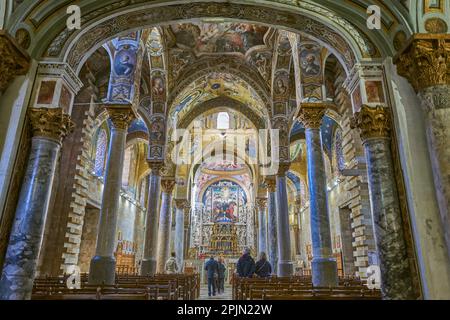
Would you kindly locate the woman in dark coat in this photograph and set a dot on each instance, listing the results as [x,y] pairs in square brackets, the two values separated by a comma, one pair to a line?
[263,269]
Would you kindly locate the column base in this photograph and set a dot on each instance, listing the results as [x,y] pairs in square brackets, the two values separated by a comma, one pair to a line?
[285,269]
[148,267]
[324,272]
[102,270]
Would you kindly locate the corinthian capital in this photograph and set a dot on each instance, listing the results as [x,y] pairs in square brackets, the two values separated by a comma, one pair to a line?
[14,60]
[121,115]
[167,185]
[50,123]
[181,204]
[155,167]
[311,114]
[425,62]
[372,123]
[271,183]
[261,203]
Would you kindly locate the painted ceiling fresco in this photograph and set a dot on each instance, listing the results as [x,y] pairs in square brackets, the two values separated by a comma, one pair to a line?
[225,165]
[212,86]
[212,38]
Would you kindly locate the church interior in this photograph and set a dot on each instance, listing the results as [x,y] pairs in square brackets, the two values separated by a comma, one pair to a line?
[192,130]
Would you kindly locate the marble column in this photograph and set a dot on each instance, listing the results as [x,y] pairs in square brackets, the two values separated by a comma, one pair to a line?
[15,60]
[165,224]
[148,266]
[272,239]
[375,127]
[323,264]
[285,266]
[103,264]
[425,64]
[49,127]
[181,206]
[262,224]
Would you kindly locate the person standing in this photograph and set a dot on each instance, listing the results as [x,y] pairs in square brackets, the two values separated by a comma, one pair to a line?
[212,269]
[263,269]
[171,266]
[246,265]
[221,276]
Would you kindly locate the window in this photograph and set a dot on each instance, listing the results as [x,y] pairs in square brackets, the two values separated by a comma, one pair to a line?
[126,167]
[223,121]
[100,153]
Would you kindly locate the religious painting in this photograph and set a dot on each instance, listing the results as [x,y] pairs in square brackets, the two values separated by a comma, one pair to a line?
[310,61]
[281,85]
[158,87]
[65,99]
[374,91]
[125,62]
[46,92]
[218,37]
[224,200]
[224,165]
[157,131]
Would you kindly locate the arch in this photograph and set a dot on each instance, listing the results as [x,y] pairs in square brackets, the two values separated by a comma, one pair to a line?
[206,186]
[215,104]
[106,19]
[228,65]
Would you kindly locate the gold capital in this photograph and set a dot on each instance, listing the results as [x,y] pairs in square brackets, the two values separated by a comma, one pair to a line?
[271,183]
[167,185]
[121,115]
[311,114]
[155,167]
[50,123]
[261,203]
[372,123]
[425,61]
[14,60]
[181,204]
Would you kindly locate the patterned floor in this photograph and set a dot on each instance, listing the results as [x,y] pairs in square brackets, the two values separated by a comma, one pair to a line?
[224,296]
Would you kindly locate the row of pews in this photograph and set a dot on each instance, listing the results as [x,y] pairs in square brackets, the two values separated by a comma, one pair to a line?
[126,287]
[300,288]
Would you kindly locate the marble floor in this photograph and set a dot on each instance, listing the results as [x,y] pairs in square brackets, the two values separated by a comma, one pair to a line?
[224,296]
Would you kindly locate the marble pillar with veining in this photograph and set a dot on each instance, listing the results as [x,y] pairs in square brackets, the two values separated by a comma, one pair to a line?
[285,266]
[165,224]
[181,207]
[49,127]
[272,238]
[148,266]
[103,264]
[323,264]
[262,225]
[436,104]
[424,62]
[396,278]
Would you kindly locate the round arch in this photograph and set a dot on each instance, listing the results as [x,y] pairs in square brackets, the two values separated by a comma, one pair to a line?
[206,186]
[216,104]
[51,39]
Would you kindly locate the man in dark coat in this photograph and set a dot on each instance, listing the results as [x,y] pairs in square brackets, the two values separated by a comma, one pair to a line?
[246,265]
[212,271]
[263,267]
[221,277]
